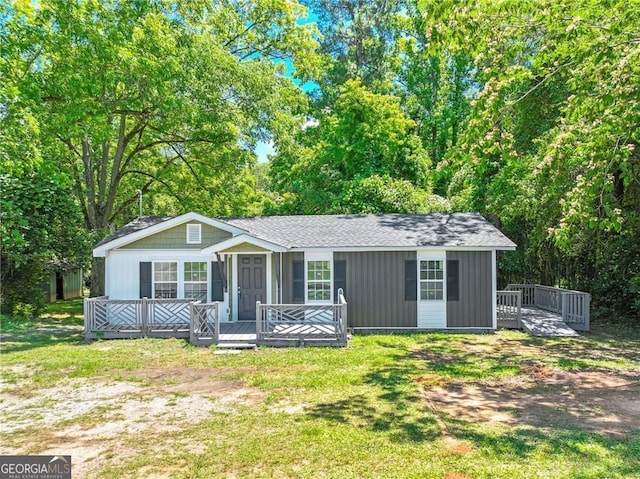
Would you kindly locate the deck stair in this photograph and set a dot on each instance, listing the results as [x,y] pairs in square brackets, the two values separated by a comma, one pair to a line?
[544,327]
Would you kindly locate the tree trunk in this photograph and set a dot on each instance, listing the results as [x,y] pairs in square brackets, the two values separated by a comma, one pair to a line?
[97,277]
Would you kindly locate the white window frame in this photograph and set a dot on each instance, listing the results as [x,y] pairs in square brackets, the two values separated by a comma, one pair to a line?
[313,257]
[194,233]
[155,281]
[431,281]
[205,282]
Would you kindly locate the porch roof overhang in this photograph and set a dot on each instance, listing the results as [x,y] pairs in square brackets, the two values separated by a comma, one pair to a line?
[260,244]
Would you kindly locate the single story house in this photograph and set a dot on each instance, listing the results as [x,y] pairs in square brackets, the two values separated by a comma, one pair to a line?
[402,271]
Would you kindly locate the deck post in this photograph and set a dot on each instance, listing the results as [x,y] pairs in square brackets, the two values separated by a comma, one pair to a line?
[192,323]
[519,308]
[344,323]
[144,312]
[587,311]
[258,321]
[88,317]
[216,324]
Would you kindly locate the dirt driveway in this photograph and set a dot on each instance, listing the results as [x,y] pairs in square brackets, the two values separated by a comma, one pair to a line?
[93,419]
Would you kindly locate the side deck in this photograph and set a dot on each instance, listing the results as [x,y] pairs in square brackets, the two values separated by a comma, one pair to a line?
[543,310]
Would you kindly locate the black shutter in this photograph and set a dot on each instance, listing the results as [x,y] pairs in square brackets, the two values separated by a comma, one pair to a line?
[453,280]
[410,280]
[298,281]
[339,277]
[145,280]
[217,281]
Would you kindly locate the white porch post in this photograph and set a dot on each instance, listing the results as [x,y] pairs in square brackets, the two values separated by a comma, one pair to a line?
[270,280]
[494,289]
[233,291]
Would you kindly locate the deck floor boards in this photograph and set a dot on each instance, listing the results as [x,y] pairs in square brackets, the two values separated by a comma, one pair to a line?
[240,331]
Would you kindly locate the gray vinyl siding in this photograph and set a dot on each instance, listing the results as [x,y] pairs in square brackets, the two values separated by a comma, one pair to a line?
[287,275]
[375,289]
[474,308]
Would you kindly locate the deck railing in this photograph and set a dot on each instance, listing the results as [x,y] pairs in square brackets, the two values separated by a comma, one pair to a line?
[128,318]
[205,323]
[509,309]
[302,323]
[574,306]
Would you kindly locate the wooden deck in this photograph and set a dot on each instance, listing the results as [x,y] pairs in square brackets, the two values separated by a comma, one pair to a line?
[543,310]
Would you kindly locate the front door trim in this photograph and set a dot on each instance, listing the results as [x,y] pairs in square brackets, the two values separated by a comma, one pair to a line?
[237,258]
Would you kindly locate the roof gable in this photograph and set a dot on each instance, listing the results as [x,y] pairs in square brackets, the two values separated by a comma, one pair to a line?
[147,226]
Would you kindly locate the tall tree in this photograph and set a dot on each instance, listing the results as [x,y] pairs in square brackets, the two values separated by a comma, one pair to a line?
[154,95]
[553,139]
[362,156]
[359,39]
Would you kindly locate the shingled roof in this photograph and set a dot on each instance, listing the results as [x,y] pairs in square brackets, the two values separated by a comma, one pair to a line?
[366,230]
[138,224]
[386,230]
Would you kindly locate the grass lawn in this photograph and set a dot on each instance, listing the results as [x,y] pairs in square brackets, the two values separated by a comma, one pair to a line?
[440,406]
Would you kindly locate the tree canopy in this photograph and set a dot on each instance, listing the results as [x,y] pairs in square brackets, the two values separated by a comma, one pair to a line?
[525,110]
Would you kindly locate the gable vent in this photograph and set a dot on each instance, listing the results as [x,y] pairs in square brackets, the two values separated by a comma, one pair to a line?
[193,234]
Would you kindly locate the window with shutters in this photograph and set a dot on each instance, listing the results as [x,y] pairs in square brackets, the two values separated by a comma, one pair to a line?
[431,280]
[165,279]
[195,280]
[194,235]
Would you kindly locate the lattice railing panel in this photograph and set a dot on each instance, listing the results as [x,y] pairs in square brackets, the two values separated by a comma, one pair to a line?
[303,321]
[118,315]
[169,314]
[203,319]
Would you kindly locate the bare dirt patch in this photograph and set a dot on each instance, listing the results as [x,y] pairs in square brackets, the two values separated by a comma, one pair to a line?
[94,420]
[604,402]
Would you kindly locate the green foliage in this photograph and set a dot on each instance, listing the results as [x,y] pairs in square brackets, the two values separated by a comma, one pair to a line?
[166,98]
[364,143]
[39,225]
[163,97]
[551,146]
[383,194]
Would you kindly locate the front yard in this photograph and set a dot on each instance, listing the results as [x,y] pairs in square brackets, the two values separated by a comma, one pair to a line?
[411,406]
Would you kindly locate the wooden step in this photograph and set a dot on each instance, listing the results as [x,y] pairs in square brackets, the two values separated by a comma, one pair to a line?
[236,345]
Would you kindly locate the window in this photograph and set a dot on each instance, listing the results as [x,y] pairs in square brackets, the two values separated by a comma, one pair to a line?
[319,280]
[431,280]
[165,280]
[193,233]
[195,280]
